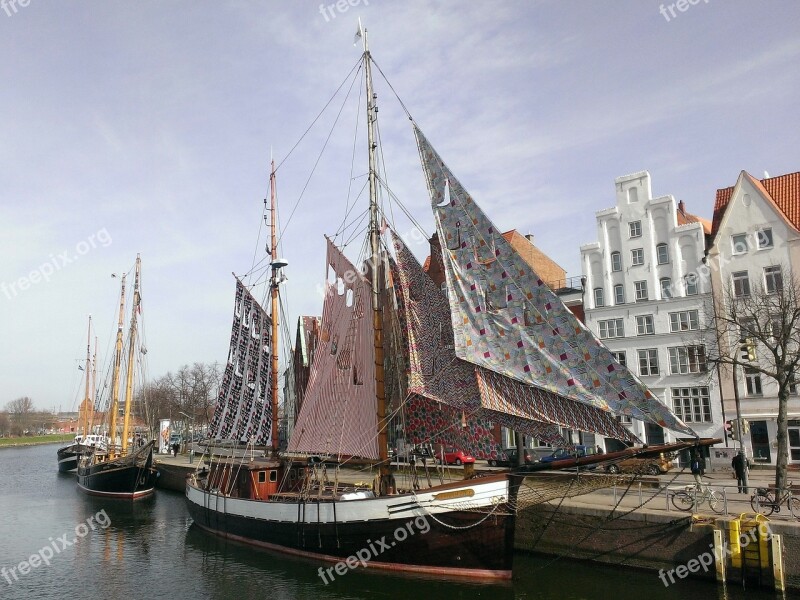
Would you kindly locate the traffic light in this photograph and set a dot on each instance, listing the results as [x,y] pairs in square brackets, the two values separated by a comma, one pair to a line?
[745,426]
[734,430]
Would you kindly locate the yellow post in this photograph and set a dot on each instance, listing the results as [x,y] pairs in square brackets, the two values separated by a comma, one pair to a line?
[734,532]
[719,554]
[777,562]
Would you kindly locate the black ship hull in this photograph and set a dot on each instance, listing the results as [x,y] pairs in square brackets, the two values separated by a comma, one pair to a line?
[68,457]
[127,477]
[461,543]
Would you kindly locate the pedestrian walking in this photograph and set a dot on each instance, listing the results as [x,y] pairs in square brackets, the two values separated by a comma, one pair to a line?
[697,468]
[739,464]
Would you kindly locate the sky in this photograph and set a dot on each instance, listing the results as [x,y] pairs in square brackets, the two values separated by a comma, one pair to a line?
[148,128]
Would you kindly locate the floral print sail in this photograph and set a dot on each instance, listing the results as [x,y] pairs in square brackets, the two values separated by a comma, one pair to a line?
[507,320]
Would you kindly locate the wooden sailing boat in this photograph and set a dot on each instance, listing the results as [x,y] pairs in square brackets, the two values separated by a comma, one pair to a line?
[68,455]
[122,470]
[463,528]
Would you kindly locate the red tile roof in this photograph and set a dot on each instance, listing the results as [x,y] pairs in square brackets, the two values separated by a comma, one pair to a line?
[684,218]
[783,190]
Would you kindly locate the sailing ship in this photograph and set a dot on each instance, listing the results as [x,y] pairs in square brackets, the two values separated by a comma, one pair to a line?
[121,470]
[68,455]
[497,344]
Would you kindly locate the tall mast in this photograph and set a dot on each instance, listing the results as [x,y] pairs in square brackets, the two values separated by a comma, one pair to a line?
[112,426]
[276,265]
[93,399]
[84,414]
[131,358]
[377,316]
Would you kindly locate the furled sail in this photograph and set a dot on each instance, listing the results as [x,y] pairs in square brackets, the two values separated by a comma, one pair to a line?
[435,372]
[507,320]
[338,416]
[243,411]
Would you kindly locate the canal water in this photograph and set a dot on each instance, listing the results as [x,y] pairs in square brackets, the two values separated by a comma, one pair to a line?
[102,549]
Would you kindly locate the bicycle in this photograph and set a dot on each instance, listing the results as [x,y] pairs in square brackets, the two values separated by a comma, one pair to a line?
[695,495]
[766,501]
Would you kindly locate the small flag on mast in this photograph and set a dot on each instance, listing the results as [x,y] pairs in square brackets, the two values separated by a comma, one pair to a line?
[359,33]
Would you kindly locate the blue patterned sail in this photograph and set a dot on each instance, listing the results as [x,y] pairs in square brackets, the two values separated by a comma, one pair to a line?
[436,373]
[508,321]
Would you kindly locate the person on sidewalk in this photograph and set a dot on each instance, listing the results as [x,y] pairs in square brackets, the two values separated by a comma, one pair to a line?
[739,464]
[697,468]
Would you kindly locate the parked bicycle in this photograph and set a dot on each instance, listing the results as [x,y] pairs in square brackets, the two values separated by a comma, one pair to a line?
[766,501]
[695,495]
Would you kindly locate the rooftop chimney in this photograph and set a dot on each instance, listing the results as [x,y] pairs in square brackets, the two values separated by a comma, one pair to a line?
[681,206]
[529,237]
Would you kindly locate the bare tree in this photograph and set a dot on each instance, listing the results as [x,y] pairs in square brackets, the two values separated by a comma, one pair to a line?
[764,321]
[20,411]
[190,390]
[5,424]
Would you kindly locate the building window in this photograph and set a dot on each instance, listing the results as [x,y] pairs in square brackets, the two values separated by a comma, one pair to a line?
[752,379]
[773,279]
[616,261]
[598,298]
[792,384]
[640,288]
[662,254]
[764,237]
[619,294]
[633,195]
[666,288]
[692,405]
[611,328]
[739,243]
[637,256]
[685,320]
[687,359]
[690,284]
[635,228]
[624,419]
[620,357]
[648,361]
[741,284]
[644,325]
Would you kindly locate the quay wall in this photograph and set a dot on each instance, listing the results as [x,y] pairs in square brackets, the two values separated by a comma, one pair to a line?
[643,538]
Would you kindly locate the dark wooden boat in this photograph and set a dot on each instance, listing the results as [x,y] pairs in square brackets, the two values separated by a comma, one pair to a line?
[68,457]
[131,476]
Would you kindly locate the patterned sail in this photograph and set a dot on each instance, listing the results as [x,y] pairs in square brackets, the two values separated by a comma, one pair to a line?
[338,416]
[507,320]
[436,372]
[243,411]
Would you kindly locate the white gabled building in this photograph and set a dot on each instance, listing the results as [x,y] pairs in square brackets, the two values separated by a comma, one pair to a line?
[644,300]
[756,246]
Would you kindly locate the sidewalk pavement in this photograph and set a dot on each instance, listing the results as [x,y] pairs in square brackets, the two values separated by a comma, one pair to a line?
[646,497]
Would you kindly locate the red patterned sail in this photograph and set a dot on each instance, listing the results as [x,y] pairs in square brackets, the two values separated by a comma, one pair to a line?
[338,416]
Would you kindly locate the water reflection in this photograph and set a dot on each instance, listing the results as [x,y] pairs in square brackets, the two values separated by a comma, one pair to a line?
[149,549]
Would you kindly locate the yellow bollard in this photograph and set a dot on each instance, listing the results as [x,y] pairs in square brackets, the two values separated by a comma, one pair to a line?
[734,533]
